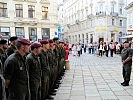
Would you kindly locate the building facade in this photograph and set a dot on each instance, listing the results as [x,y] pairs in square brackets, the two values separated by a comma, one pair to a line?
[88,21]
[129,9]
[32,19]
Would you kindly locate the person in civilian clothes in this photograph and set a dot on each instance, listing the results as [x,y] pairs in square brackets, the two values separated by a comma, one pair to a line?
[100,48]
[111,46]
[33,62]
[107,49]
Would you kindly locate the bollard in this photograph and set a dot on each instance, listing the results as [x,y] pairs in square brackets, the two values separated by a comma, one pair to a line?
[67,65]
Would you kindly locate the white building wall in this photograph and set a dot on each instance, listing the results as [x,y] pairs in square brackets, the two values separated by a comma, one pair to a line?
[12,21]
[98,26]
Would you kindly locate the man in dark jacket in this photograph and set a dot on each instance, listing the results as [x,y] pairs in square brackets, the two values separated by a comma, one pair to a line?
[11,49]
[34,66]
[45,70]
[16,73]
[126,57]
[3,47]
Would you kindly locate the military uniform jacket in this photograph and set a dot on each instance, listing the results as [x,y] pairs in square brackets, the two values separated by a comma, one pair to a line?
[3,56]
[51,58]
[126,52]
[16,72]
[34,67]
[10,50]
[2,84]
[44,62]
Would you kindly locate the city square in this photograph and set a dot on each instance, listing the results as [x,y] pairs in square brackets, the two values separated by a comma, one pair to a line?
[66,49]
[94,78]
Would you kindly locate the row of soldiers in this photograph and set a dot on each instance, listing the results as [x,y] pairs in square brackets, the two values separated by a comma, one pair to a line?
[31,71]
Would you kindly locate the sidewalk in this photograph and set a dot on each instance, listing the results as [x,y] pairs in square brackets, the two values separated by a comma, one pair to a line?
[94,78]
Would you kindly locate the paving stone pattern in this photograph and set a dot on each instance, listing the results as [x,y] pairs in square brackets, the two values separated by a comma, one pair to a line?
[94,78]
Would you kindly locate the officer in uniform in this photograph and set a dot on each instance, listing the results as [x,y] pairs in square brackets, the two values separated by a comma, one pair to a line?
[11,49]
[126,57]
[62,56]
[55,68]
[2,81]
[3,47]
[34,66]
[57,52]
[16,72]
[45,79]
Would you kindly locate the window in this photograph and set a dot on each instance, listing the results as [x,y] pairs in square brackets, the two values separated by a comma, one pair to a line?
[45,33]
[112,7]
[32,34]
[120,22]
[19,10]
[3,9]
[113,21]
[121,10]
[44,12]
[31,11]
[19,31]
[5,32]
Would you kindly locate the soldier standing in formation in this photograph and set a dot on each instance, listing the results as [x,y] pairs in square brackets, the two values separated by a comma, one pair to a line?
[2,81]
[16,72]
[45,79]
[126,57]
[11,49]
[35,76]
[34,68]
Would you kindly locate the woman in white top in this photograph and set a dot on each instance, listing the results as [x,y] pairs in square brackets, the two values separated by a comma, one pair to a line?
[100,48]
[74,50]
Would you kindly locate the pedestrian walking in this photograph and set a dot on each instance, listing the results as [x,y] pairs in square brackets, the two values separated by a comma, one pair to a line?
[100,48]
[111,46]
[85,46]
[107,49]
[16,72]
[126,57]
[79,49]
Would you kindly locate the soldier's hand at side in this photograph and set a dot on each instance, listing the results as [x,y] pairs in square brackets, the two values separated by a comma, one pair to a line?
[7,82]
[123,62]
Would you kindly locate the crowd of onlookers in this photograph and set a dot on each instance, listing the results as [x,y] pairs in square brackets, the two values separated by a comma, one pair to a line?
[100,49]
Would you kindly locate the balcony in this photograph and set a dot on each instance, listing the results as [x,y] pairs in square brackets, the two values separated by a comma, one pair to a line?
[114,14]
[100,13]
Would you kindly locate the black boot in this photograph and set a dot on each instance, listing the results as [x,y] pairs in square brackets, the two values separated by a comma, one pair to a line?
[126,83]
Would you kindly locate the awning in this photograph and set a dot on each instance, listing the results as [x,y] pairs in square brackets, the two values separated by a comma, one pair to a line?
[128,36]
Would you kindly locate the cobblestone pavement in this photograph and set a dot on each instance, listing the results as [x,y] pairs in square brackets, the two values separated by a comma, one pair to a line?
[94,78]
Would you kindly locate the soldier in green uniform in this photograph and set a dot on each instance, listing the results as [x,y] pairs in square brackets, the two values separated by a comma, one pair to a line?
[16,73]
[57,56]
[34,68]
[11,49]
[2,80]
[3,47]
[52,48]
[45,80]
[3,55]
[126,57]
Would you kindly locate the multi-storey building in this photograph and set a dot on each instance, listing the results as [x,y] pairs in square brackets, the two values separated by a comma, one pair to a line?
[94,20]
[129,9]
[33,19]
